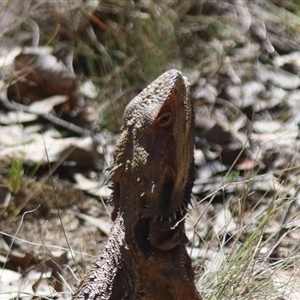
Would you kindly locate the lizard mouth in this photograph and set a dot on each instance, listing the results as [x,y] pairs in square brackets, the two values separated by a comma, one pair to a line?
[171,205]
[161,225]
[166,228]
[166,203]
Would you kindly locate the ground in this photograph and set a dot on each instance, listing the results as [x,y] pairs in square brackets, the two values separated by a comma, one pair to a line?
[68,69]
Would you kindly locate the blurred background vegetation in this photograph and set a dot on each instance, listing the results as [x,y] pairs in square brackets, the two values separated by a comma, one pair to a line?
[242,58]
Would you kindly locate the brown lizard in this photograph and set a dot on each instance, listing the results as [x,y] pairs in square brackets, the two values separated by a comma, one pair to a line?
[145,256]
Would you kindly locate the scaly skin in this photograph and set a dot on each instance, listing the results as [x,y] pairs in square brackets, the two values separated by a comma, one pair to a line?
[145,256]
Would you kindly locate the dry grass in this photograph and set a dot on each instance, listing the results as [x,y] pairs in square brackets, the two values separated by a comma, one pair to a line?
[217,44]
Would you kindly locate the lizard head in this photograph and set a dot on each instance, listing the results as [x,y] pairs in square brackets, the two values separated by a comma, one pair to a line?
[152,169]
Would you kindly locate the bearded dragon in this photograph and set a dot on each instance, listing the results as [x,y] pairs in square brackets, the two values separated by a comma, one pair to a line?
[145,256]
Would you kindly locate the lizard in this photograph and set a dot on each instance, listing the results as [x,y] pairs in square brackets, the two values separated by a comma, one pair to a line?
[152,173]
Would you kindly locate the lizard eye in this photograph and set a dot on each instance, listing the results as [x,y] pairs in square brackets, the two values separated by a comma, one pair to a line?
[165,120]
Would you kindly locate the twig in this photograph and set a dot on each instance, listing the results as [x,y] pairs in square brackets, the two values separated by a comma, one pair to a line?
[283,230]
[12,105]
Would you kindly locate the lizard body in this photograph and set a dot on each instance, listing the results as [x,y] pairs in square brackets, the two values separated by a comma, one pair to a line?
[145,256]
